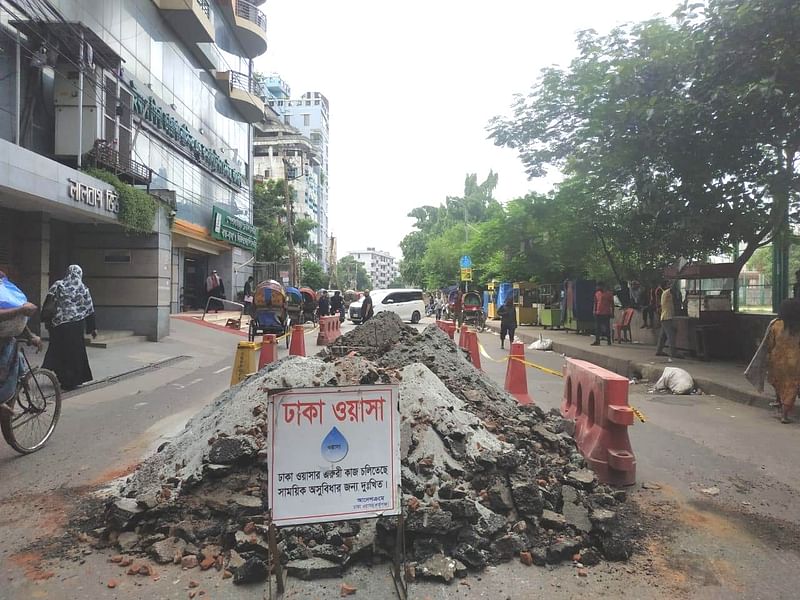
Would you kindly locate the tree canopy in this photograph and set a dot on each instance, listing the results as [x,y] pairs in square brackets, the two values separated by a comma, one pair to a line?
[352,274]
[269,217]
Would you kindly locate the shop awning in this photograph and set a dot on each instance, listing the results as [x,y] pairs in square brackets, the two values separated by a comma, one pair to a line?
[196,237]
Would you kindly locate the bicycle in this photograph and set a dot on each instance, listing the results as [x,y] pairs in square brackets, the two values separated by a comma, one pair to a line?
[35,407]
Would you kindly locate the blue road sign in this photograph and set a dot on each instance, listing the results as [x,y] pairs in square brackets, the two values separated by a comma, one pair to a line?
[466,262]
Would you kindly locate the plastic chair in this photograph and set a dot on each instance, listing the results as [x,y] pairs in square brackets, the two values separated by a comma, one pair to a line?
[622,329]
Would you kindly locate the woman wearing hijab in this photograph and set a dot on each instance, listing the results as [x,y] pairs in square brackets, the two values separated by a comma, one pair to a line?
[783,355]
[74,315]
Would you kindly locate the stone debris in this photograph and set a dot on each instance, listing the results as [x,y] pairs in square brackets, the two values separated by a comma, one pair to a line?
[484,479]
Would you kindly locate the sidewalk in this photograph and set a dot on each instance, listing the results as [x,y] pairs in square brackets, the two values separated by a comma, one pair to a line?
[638,360]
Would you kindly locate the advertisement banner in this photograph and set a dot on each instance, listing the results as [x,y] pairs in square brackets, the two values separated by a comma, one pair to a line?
[235,231]
[334,453]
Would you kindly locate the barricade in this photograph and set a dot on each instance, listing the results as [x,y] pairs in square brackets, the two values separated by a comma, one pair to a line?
[473,349]
[448,327]
[462,337]
[329,330]
[269,351]
[516,377]
[297,345]
[245,361]
[597,400]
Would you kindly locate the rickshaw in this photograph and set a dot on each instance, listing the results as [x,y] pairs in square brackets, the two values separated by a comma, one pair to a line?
[294,309]
[449,312]
[473,314]
[269,310]
[309,313]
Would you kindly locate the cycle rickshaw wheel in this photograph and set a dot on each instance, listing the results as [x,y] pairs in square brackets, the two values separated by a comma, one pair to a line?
[37,407]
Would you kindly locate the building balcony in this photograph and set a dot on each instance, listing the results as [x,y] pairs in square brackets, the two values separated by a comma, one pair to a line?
[249,25]
[191,19]
[104,156]
[241,91]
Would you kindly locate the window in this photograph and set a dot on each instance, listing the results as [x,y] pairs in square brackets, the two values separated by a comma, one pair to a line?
[287,119]
[306,120]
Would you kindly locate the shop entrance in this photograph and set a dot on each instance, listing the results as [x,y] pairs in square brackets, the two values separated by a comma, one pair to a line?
[195,267]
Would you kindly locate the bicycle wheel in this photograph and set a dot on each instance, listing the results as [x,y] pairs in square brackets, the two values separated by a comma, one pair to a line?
[36,411]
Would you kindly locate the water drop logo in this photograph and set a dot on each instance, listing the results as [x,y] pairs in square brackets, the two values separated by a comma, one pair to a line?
[334,446]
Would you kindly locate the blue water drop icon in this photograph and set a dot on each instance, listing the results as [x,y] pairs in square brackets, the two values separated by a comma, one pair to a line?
[334,446]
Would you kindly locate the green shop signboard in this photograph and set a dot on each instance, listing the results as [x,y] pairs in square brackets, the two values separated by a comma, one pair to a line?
[226,227]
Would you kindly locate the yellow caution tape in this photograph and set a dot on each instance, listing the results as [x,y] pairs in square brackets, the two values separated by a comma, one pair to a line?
[638,414]
[518,359]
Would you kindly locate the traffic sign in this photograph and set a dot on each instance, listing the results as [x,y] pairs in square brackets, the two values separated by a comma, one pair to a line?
[465,262]
[466,274]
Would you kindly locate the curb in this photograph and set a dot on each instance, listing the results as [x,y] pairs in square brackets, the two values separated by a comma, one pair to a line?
[651,372]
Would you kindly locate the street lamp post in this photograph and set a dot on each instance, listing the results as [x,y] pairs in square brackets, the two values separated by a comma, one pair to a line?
[293,276]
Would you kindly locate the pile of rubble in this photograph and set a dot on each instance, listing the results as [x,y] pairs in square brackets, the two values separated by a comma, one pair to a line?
[483,479]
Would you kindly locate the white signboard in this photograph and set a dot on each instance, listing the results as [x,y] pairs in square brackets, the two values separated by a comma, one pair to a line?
[334,453]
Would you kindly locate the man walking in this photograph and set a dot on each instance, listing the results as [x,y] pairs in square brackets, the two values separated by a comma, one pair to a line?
[508,321]
[603,311]
[668,325]
[337,305]
[366,307]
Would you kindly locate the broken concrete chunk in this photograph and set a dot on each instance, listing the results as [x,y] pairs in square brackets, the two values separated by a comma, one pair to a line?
[231,450]
[583,478]
[254,570]
[575,513]
[165,551]
[439,567]
[552,520]
[313,568]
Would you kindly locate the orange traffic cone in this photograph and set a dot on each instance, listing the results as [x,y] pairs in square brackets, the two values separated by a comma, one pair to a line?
[297,346]
[516,377]
[269,351]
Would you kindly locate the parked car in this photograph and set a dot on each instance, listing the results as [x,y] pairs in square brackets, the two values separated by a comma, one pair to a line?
[405,303]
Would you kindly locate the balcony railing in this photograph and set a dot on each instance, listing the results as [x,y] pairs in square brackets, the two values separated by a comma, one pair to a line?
[205,6]
[242,81]
[249,11]
[104,156]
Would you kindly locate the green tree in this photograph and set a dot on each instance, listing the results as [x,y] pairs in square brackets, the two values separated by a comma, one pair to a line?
[312,275]
[352,274]
[683,132]
[269,217]
[396,283]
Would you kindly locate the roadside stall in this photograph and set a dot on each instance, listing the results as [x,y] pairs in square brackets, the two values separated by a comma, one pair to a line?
[492,289]
[525,300]
[706,327]
[550,305]
[579,299]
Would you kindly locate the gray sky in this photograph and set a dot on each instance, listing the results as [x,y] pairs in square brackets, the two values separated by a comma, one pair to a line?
[412,86]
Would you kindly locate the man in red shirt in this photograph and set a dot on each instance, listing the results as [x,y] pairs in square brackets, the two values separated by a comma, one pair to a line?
[603,311]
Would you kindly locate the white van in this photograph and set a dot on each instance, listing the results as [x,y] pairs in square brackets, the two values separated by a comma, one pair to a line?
[406,303]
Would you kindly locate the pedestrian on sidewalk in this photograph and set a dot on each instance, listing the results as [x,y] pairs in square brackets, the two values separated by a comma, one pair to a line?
[74,315]
[648,302]
[367,309]
[438,307]
[783,356]
[603,311]
[668,324]
[248,296]
[215,289]
[508,321]
[337,305]
[324,304]
[458,308]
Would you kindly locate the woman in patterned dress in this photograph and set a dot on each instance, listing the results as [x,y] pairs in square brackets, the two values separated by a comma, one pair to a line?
[74,315]
[783,358]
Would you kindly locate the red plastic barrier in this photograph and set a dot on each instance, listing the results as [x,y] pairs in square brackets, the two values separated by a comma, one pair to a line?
[474,351]
[297,346]
[597,400]
[448,327]
[462,337]
[328,330]
[269,351]
[516,377]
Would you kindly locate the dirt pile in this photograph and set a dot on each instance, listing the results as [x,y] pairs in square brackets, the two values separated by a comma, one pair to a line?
[483,479]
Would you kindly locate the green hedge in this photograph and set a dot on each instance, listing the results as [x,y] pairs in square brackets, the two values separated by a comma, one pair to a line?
[137,208]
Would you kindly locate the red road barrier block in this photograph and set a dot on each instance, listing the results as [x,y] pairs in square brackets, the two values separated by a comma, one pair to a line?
[297,346]
[472,348]
[462,337]
[597,400]
[516,377]
[269,351]
[328,330]
[448,327]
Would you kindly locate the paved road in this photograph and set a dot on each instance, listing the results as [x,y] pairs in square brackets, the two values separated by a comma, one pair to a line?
[741,543]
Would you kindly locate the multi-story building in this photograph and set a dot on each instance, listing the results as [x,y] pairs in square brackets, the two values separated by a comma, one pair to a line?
[379,265]
[156,92]
[309,114]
